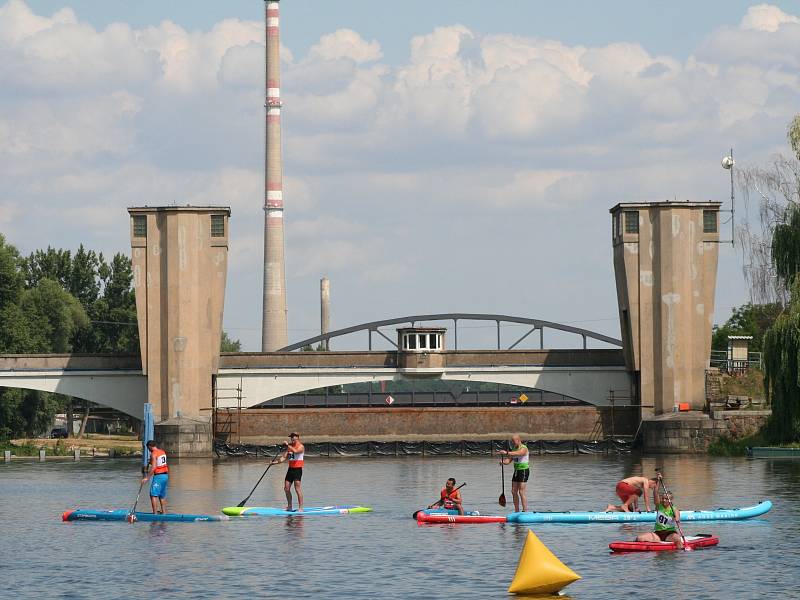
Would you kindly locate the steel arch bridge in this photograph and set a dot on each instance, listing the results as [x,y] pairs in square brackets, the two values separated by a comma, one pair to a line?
[535,325]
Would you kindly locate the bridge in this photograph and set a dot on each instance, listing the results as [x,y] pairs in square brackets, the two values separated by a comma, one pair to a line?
[591,375]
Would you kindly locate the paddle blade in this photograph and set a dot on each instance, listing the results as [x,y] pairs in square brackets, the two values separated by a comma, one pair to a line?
[242,503]
[502,500]
[131,518]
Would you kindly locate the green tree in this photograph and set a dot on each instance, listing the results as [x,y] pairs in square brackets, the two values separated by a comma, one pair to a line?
[782,340]
[53,315]
[747,319]
[228,344]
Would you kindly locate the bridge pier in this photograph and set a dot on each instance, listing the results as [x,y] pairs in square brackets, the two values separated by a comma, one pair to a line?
[185,437]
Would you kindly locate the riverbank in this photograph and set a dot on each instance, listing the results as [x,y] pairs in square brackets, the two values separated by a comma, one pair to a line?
[89,445]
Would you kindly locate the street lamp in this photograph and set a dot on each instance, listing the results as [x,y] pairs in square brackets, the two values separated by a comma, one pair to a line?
[728,164]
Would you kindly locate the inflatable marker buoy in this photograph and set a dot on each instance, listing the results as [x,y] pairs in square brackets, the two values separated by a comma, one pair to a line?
[539,571]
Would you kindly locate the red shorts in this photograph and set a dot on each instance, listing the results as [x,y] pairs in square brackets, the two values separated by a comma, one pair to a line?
[626,490]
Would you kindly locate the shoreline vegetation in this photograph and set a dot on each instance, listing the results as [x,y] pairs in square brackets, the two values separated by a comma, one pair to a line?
[90,445]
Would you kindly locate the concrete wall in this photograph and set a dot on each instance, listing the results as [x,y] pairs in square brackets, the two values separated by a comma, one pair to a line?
[693,432]
[666,279]
[179,272]
[582,423]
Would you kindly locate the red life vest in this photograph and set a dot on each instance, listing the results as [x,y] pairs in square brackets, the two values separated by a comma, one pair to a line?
[159,458]
[447,501]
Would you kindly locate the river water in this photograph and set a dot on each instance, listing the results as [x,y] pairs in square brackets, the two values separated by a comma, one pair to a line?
[385,553]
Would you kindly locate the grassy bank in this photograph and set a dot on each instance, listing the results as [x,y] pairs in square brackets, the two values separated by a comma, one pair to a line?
[727,446]
[96,444]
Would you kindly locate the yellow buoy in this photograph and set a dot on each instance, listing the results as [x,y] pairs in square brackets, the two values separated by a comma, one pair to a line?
[539,571]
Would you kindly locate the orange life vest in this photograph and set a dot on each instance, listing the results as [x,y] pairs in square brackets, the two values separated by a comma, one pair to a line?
[295,458]
[447,500]
[159,458]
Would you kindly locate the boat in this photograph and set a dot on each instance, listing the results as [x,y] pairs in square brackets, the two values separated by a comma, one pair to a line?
[123,514]
[773,452]
[438,515]
[720,514]
[700,540]
[265,511]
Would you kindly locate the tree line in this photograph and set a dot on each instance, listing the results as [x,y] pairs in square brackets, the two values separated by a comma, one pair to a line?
[56,301]
[771,259]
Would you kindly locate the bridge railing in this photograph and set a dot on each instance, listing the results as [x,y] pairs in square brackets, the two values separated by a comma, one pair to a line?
[420,399]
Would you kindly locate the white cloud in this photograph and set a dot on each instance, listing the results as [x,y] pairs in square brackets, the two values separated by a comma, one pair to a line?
[767,17]
[477,146]
[345,43]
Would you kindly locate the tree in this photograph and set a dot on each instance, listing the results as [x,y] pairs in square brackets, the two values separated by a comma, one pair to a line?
[228,344]
[782,340]
[747,319]
[53,315]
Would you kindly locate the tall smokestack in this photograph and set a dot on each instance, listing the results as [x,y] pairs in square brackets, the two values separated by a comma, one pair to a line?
[325,309]
[273,325]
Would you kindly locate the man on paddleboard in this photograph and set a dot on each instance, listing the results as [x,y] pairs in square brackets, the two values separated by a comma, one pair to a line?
[629,490]
[158,471]
[668,518]
[294,474]
[518,456]
[450,497]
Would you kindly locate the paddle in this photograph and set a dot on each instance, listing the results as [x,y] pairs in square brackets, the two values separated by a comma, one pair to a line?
[416,512]
[677,521]
[131,518]
[243,502]
[502,499]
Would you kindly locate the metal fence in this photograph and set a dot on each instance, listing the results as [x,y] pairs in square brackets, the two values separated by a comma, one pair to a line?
[720,359]
[421,399]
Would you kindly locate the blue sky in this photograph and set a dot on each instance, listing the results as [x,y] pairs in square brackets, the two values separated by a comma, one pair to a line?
[438,156]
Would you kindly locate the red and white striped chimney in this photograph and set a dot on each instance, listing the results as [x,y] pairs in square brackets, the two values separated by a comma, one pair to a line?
[274,334]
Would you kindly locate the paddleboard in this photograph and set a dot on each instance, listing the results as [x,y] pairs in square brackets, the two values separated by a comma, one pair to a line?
[720,514]
[264,511]
[432,517]
[122,515]
[700,540]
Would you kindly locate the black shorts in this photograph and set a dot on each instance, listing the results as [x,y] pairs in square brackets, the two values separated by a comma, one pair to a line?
[664,534]
[294,474]
[521,476]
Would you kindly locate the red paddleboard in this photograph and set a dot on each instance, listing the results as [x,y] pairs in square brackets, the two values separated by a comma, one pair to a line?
[422,517]
[692,541]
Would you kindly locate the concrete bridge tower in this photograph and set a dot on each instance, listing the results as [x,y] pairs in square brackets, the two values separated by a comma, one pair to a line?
[665,260]
[180,258]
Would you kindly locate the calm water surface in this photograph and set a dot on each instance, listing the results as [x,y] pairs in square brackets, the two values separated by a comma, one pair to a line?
[385,553]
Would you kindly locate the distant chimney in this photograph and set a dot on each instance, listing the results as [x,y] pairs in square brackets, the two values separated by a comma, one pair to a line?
[274,334]
[325,309]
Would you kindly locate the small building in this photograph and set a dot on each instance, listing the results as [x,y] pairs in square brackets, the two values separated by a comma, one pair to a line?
[738,353]
[420,350]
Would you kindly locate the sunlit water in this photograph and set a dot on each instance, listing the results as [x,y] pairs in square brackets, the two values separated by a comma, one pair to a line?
[385,553]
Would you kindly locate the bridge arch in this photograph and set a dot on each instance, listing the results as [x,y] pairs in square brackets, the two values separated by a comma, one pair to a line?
[125,392]
[535,325]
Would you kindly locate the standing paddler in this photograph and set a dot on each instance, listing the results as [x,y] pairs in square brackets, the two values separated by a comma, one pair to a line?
[294,453]
[522,471]
[158,471]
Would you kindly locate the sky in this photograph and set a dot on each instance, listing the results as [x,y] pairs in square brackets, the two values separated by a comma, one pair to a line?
[438,157]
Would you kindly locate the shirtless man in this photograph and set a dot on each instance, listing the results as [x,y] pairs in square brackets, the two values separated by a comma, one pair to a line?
[294,474]
[629,490]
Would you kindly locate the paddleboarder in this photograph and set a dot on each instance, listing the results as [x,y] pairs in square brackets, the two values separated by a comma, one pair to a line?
[629,490]
[294,474]
[158,473]
[520,457]
[668,519]
[450,497]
